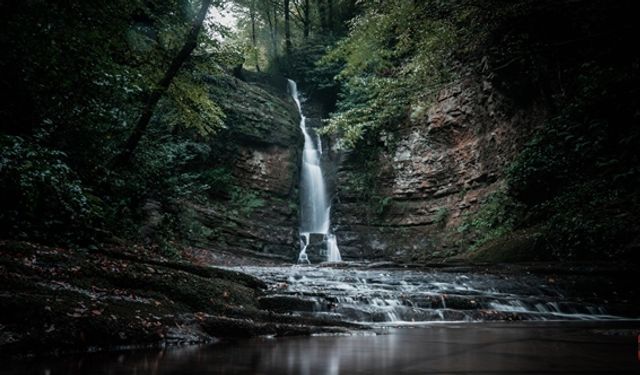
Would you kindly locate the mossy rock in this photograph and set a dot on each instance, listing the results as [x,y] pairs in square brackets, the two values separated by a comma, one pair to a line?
[518,246]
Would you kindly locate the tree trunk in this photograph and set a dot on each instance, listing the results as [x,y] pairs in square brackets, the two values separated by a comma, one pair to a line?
[322,14]
[275,27]
[287,29]
[307,21]
[273,32]
[254,39]
[152,100]
[330,16]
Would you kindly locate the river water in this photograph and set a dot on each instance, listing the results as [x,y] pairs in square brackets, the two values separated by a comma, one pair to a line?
[420,322]
[384,297]
[487,348]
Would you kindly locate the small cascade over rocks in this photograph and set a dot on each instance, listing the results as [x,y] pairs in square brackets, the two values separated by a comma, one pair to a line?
[315,206]
[407,297]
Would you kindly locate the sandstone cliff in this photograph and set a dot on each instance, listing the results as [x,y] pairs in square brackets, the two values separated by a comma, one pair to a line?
[255,213]
[429,175]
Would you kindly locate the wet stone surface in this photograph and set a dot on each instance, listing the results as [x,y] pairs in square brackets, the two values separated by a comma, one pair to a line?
[398,297]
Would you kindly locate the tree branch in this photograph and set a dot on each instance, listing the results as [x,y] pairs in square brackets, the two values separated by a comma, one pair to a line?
[161,87]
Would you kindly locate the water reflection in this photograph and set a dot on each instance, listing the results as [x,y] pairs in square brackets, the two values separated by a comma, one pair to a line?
[466,348]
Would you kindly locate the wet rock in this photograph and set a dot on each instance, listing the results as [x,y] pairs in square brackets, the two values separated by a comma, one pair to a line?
[381,295]
[231,327]
[287,304]
[62,300]
[317,248]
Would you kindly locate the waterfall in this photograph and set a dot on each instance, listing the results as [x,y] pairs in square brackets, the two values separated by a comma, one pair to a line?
[333,253]
[314,204]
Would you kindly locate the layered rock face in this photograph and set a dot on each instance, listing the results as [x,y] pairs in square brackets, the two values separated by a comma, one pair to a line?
[258,214]
[433,172]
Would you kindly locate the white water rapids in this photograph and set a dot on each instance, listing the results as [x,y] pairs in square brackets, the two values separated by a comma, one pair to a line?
[394,297]
[314,204]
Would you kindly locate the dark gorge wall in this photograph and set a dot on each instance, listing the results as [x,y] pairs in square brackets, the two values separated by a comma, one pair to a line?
[429,174]
[529,154]
[254,212]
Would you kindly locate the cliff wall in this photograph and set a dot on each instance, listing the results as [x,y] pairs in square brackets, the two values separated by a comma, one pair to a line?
[429,175]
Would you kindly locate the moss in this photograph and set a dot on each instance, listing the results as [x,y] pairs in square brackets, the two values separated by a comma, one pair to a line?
[515,247]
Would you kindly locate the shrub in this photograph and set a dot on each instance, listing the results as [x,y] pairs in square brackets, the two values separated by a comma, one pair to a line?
[42,196]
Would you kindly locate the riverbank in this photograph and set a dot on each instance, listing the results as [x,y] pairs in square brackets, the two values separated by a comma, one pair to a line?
[57,300]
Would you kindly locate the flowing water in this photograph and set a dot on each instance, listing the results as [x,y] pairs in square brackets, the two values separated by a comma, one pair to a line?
[314,205]
[409,297]
[421,323]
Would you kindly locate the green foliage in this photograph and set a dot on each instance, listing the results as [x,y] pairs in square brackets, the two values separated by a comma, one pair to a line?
[579,143]
[366,105]
[191,107]
[262,34]
[586,222]
[578,176]
[498,215]
[218,180]
[363,180]
[442,214]
[189,225]
[395,56]
[576,181]
[244,201]
[76,75]
[40,191]
[305,67]
[380,204]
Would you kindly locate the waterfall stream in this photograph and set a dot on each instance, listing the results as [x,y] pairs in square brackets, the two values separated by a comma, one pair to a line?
[314,205]
[395,297]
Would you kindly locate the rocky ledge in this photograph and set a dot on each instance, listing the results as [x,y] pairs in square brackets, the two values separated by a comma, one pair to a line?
[55,300]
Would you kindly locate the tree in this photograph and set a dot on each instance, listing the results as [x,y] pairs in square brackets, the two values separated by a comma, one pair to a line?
[254,39]
[307,20]
[287,28]
[330,15]
[322,13]
[190,44]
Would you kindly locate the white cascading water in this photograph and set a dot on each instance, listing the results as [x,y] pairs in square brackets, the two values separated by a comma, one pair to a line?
[333,253]
[389,297]
[315,207]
